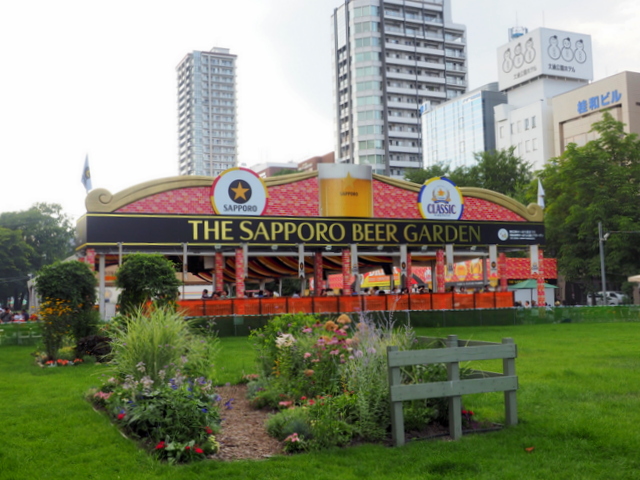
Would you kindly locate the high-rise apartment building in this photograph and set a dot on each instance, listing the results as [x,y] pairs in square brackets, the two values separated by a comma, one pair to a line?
[390,57]
[207,112]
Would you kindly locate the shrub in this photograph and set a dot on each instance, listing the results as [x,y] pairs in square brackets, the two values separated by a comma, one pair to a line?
[97,346]
[287,422]
[144,278]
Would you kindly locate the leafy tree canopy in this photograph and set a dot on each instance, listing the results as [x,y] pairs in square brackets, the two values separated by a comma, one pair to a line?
[146,277]
[598,182]
[45,228]
[71,281]
[501,171]
[16,259]
[285,171]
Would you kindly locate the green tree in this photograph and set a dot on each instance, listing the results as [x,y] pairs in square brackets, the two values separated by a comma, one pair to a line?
[500,171]
[598,182]
[72,282]
[68,290]
[45,228]
[47,231]
[16,259]
[421,175]
[146,277]
[285,171]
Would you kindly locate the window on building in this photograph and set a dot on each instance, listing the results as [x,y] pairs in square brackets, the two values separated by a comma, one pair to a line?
[501,131]
[533,122]
[527,146]
[534,144]
[526,124]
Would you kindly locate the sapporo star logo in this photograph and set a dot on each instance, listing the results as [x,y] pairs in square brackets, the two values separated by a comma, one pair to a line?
[241,192]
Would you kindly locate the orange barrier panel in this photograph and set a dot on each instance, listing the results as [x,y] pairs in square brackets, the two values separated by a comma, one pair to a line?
[218,308]
[397,302]
[191,308]
[420,302]
[350,304]
[504,299]
[246,306]
[463,301]
[300,305]
[374,303]
[485,300]
[325,305]
[273,306]
[442,301]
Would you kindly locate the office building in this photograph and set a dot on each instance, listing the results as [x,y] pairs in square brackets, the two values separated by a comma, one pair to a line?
[390,57]
[576,111]
[454,131]
[532,69]
[207,112]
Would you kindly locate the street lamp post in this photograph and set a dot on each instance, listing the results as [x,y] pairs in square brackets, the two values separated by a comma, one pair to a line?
[602,239]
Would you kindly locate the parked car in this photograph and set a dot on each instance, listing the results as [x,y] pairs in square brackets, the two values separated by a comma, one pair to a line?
[613,298]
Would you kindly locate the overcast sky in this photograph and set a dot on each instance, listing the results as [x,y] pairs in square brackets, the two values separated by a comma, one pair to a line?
[98,78]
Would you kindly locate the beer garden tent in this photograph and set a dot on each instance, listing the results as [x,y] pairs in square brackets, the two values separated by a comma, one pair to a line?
[286,235]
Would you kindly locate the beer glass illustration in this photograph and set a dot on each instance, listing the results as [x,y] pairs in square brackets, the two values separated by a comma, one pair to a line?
[345,190]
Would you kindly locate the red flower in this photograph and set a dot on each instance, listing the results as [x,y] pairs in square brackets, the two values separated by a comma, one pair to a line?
[121,416]
[303,398]
[187,447]
[470,412]
[199,450]
[464,412]
[208,430]
[160,446]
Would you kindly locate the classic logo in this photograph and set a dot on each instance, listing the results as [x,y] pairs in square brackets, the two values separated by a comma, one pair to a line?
[239,191]
[440,199]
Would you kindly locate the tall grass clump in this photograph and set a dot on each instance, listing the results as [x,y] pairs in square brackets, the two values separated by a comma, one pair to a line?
[161,340]
[366,374]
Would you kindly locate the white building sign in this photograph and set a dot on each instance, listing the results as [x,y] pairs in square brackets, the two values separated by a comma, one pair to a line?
[545,52]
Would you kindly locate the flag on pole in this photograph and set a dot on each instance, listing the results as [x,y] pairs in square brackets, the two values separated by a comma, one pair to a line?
[86,175]
[540,194]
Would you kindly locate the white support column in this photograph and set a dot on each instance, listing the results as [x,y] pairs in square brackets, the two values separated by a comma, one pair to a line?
[101,286]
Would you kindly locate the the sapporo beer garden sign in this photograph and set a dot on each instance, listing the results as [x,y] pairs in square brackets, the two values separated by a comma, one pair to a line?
[171,230]
[239,198]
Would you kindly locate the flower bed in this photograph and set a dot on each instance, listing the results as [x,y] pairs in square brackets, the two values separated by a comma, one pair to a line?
[329,381]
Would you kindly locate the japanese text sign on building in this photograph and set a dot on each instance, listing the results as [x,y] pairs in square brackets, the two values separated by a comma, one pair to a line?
[599,101]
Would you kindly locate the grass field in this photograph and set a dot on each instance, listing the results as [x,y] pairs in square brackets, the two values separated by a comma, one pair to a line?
[579,407]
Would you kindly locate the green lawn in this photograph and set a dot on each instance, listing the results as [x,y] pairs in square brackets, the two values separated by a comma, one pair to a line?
[579,406]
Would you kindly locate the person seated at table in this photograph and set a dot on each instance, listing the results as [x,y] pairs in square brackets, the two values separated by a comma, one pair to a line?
[205,293]
[215,296]
[223,295]
[6,317]
[404,291]
[375,291]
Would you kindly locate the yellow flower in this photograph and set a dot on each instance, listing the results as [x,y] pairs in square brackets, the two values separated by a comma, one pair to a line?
[344,319]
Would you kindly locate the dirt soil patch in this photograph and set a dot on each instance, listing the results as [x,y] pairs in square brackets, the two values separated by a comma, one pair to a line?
[243,434]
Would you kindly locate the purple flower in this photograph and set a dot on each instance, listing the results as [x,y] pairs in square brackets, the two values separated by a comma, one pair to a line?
[228,405]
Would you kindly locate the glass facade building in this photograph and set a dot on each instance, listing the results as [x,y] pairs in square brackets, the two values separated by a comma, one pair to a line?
[454,131]
[390,57]
[207,114]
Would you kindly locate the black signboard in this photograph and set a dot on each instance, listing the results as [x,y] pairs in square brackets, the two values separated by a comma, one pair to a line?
[163,230]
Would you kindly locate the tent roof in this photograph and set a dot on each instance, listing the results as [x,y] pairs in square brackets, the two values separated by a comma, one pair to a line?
[531,283]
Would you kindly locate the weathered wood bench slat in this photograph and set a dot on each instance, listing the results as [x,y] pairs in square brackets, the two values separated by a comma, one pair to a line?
[400,393]
[455,354]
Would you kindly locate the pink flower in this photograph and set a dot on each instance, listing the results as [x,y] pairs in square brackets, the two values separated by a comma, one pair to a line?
[307,355]
[334,352]
[307,330]
[312,401]
[285,404]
